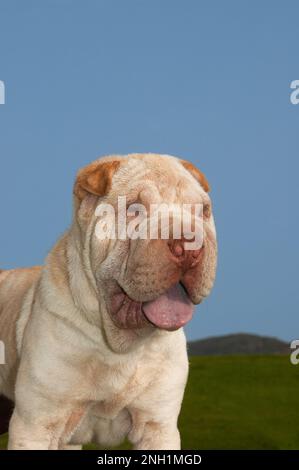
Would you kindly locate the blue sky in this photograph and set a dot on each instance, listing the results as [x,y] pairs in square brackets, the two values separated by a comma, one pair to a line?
[208,81]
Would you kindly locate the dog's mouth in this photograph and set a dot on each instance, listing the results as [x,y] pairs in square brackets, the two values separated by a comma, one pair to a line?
[170,311]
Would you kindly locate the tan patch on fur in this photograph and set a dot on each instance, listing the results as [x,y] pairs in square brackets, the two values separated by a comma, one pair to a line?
[74,420]
[197,174]
[95,179]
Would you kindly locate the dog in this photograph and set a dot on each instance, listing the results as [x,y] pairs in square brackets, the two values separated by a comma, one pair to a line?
[95,349]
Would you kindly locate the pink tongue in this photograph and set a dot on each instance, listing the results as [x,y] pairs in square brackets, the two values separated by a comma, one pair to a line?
[171,310]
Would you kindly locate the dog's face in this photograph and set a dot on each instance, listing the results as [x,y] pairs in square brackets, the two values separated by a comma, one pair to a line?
[153,281]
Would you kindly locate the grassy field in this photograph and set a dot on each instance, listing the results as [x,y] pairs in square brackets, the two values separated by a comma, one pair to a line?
[239,402]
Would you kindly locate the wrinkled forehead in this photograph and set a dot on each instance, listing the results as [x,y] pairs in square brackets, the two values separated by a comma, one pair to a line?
[155,180]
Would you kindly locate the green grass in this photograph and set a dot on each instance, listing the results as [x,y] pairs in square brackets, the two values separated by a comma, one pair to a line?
[239,402]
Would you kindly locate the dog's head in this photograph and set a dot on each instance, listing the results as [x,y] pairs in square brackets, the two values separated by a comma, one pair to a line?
[154,279]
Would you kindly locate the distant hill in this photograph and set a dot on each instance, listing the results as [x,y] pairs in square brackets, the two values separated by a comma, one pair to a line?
[239,343]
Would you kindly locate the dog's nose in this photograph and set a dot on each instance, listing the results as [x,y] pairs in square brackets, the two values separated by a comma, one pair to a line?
[177,247]
[187,258]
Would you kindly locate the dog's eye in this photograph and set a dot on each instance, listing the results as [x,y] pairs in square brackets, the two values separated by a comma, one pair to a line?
[207,211]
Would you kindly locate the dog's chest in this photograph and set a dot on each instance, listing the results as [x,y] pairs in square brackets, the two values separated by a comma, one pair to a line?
[115,387]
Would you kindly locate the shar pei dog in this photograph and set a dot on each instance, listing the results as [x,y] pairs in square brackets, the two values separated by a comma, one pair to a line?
[94,345]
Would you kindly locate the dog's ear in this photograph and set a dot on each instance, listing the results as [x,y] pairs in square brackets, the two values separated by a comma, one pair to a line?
[198,175]
[95,179]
